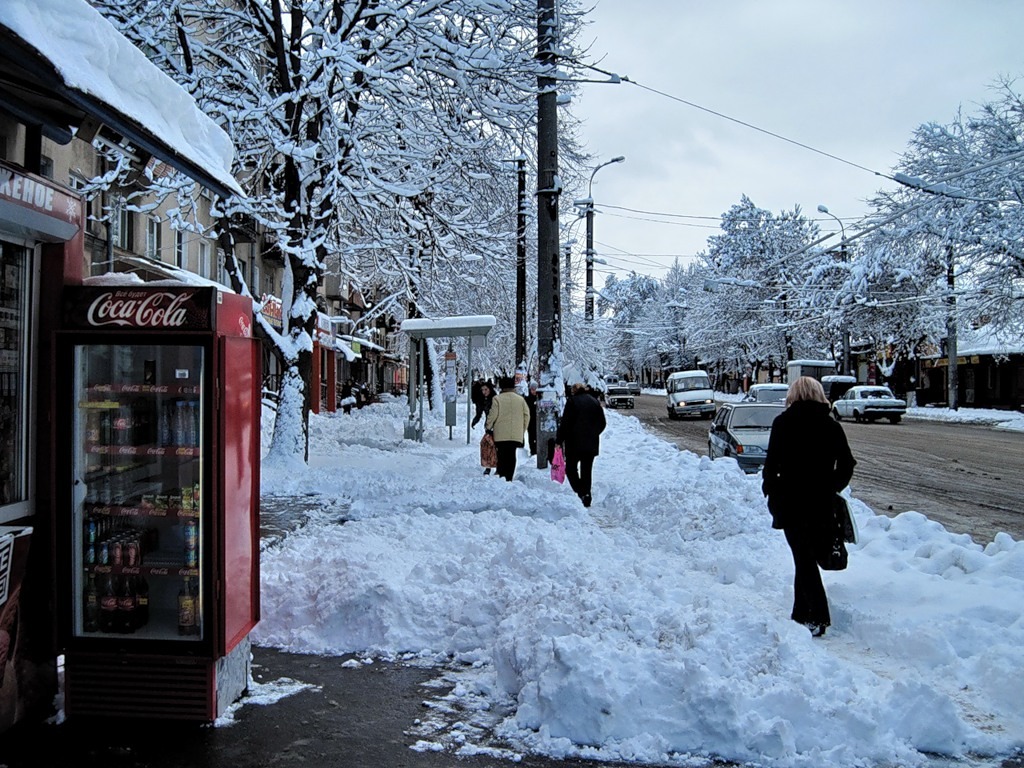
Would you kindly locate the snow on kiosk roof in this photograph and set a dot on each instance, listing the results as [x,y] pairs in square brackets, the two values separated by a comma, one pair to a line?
[468,325]
[69,67]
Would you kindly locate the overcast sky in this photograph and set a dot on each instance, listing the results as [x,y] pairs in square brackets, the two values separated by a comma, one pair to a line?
[852,78]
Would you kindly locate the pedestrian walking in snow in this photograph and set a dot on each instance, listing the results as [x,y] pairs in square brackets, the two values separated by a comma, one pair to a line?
[531,432]
[808,462]
[347,400]
[579,434]
[482,395]
[509,419]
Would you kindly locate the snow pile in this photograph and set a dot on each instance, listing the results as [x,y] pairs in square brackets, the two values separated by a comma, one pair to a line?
[652,627]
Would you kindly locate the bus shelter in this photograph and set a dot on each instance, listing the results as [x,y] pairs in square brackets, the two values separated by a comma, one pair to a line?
[473,327]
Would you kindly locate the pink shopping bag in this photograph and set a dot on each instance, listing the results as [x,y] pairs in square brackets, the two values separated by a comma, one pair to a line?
[558,465]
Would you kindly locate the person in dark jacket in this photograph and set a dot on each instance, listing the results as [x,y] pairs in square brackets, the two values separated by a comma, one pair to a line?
[808,462]
[579,434]
[482,395]
[531,433]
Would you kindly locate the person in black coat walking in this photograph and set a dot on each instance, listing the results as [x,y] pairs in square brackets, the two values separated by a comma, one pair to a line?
[531,433]
[808,462]
[579,434]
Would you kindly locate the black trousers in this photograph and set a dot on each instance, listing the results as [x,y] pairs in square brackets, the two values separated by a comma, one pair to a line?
[506,458]
[579,469]
[810,605]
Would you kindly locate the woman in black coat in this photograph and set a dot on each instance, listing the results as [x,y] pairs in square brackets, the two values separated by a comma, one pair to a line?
[579,434]
[808,462]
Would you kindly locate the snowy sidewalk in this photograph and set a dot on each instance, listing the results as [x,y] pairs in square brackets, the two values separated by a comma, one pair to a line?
[651,628]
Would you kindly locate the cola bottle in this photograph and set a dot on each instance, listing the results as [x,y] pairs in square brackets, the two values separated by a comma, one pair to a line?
[108,607]
[187,620]
[126,605]
[141,601]
[91,606]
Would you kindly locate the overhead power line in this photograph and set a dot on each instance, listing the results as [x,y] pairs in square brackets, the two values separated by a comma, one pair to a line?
[744,123]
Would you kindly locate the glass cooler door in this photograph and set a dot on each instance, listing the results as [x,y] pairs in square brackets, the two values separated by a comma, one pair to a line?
[138,474]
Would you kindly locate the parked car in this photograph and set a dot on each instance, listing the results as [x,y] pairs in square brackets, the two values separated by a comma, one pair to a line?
[766,393]
[836,386]
[741,430]
[688,393]
[618,397]
[633,387]
[869,403]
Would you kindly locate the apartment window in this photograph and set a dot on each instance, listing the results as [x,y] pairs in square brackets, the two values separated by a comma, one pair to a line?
[46,166]
[153,238]
[124,236]
[204,258]
[78,183]
[180,249]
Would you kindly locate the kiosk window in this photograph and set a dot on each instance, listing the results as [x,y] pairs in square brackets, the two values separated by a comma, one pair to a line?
[14,367]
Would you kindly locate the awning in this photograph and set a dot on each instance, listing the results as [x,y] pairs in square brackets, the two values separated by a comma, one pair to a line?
[89,80]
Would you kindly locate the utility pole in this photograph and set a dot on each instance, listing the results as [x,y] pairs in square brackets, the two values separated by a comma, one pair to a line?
[549,331]
[953,379]
[521,263]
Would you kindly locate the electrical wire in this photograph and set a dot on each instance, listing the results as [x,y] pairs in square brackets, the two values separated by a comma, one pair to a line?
[745,124]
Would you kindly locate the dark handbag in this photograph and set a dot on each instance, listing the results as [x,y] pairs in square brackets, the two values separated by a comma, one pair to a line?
[838,529]
[833,556]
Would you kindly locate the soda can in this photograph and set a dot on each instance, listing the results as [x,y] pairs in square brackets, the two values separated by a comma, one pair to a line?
[116,552]
[187,498]
[191,557]
[90,554]
[104,553]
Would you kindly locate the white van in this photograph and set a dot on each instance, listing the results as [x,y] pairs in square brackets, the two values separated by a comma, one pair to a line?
[688,393]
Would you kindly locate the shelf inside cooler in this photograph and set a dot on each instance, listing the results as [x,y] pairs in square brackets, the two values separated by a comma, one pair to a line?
[142,450]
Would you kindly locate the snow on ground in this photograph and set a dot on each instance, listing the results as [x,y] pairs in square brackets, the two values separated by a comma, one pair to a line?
[652,627]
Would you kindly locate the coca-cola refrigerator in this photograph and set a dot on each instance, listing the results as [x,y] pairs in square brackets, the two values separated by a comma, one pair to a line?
[158,532]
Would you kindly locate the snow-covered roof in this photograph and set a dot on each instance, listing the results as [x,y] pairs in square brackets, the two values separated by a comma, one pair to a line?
[986,341]
[99,71]
[349,353]
[467,325]
[362,342]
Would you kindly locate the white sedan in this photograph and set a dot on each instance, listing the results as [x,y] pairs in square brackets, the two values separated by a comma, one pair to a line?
[869,403]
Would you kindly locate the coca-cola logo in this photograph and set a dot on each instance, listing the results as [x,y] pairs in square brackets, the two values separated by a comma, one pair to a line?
[161,309]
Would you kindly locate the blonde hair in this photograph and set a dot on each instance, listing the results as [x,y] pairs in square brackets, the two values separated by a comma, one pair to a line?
[806,388]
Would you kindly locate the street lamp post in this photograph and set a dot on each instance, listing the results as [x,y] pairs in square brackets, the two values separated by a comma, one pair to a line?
[843,256]
[588,204]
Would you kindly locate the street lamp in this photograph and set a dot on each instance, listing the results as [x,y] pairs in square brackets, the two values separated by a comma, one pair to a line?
[842,252]
[588,205]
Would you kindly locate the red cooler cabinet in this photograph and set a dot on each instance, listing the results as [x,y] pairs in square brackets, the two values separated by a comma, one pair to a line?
[157,533]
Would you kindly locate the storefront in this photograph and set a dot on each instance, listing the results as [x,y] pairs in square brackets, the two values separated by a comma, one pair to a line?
[40,234]
[91,86]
